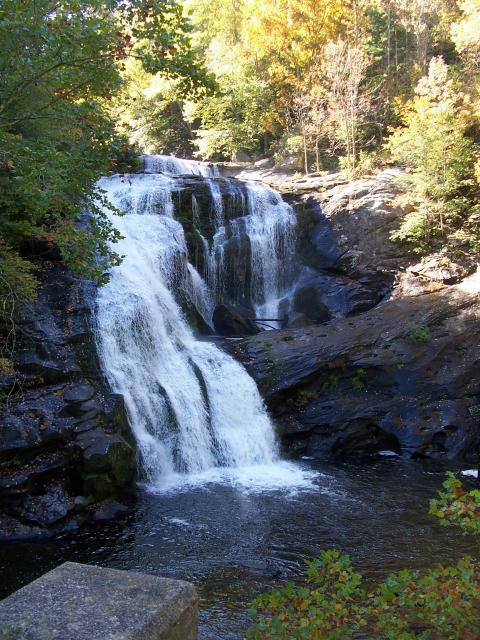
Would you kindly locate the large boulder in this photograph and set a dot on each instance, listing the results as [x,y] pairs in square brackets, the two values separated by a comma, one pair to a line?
[230,322]
[307,301]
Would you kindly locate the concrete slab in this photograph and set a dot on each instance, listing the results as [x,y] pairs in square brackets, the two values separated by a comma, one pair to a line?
[84,602]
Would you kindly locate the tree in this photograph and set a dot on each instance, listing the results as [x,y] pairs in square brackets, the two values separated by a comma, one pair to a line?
[218,19]
[466,33]
[343,96]
[149,111]
[432,143]
[60,66]
[234,121]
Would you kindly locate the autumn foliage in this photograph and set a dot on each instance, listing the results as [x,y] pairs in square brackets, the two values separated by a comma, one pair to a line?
[441,603]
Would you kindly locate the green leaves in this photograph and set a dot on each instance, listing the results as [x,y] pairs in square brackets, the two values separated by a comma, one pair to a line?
[327,609]
[437,604]
[456,506]
[441,603]
[434,145]
[60,66]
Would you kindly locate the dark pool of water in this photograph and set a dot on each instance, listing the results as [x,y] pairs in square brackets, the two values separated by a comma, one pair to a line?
[233,544]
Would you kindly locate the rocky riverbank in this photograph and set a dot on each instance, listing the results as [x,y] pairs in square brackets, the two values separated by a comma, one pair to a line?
[402,377]
[66,451]
[401,371]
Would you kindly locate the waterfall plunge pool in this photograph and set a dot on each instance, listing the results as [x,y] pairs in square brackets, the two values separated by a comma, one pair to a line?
[234,541]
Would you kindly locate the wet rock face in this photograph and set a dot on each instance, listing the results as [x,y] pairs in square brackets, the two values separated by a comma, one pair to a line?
[343,249]
[343,243]
[308,302]
[230,322]
[402,377]
[196,201]
[65,444]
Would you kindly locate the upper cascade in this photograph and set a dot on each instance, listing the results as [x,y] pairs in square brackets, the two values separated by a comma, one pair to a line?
[178,166]
[240,236]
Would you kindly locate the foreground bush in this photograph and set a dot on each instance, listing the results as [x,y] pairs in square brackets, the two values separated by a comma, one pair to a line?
[456,506]
[442,603]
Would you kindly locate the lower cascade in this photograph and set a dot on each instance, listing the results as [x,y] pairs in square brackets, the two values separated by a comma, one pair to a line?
[192,407]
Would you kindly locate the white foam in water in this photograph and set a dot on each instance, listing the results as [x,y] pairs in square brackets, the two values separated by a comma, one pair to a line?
[278,475]
[200,295]
[197,415]
[179,522]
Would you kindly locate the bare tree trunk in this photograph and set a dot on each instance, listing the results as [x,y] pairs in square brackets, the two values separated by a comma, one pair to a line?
[305,151]
[347,136]
[389,36]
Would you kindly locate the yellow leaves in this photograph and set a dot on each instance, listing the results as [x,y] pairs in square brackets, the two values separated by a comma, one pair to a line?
[466,32]
[477,171]
[295,29]
[436,84]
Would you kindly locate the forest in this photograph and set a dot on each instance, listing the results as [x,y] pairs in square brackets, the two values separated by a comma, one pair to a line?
[348,85]
[91,92]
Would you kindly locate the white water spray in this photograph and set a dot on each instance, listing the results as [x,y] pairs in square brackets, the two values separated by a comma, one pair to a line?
[192,407]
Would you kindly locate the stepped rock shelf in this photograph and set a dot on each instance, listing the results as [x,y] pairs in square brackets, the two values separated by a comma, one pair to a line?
[402,377]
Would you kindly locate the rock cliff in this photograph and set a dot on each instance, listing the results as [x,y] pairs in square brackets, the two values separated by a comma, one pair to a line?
[66,453]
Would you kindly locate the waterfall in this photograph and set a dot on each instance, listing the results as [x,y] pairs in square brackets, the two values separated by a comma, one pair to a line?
[192,407]
[270,227]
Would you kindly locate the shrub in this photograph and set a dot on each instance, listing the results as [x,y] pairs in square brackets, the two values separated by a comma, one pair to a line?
[436,604]
[420,334]
[440,603]
[358,380]
[455,506]
[367,164]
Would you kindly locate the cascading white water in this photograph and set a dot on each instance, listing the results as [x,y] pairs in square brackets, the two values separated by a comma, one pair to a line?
[192,407]
[177,167]
[270,227]
[269,224]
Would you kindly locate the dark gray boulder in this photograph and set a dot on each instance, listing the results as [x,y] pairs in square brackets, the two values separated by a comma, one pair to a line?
[229,322]
[307,301]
